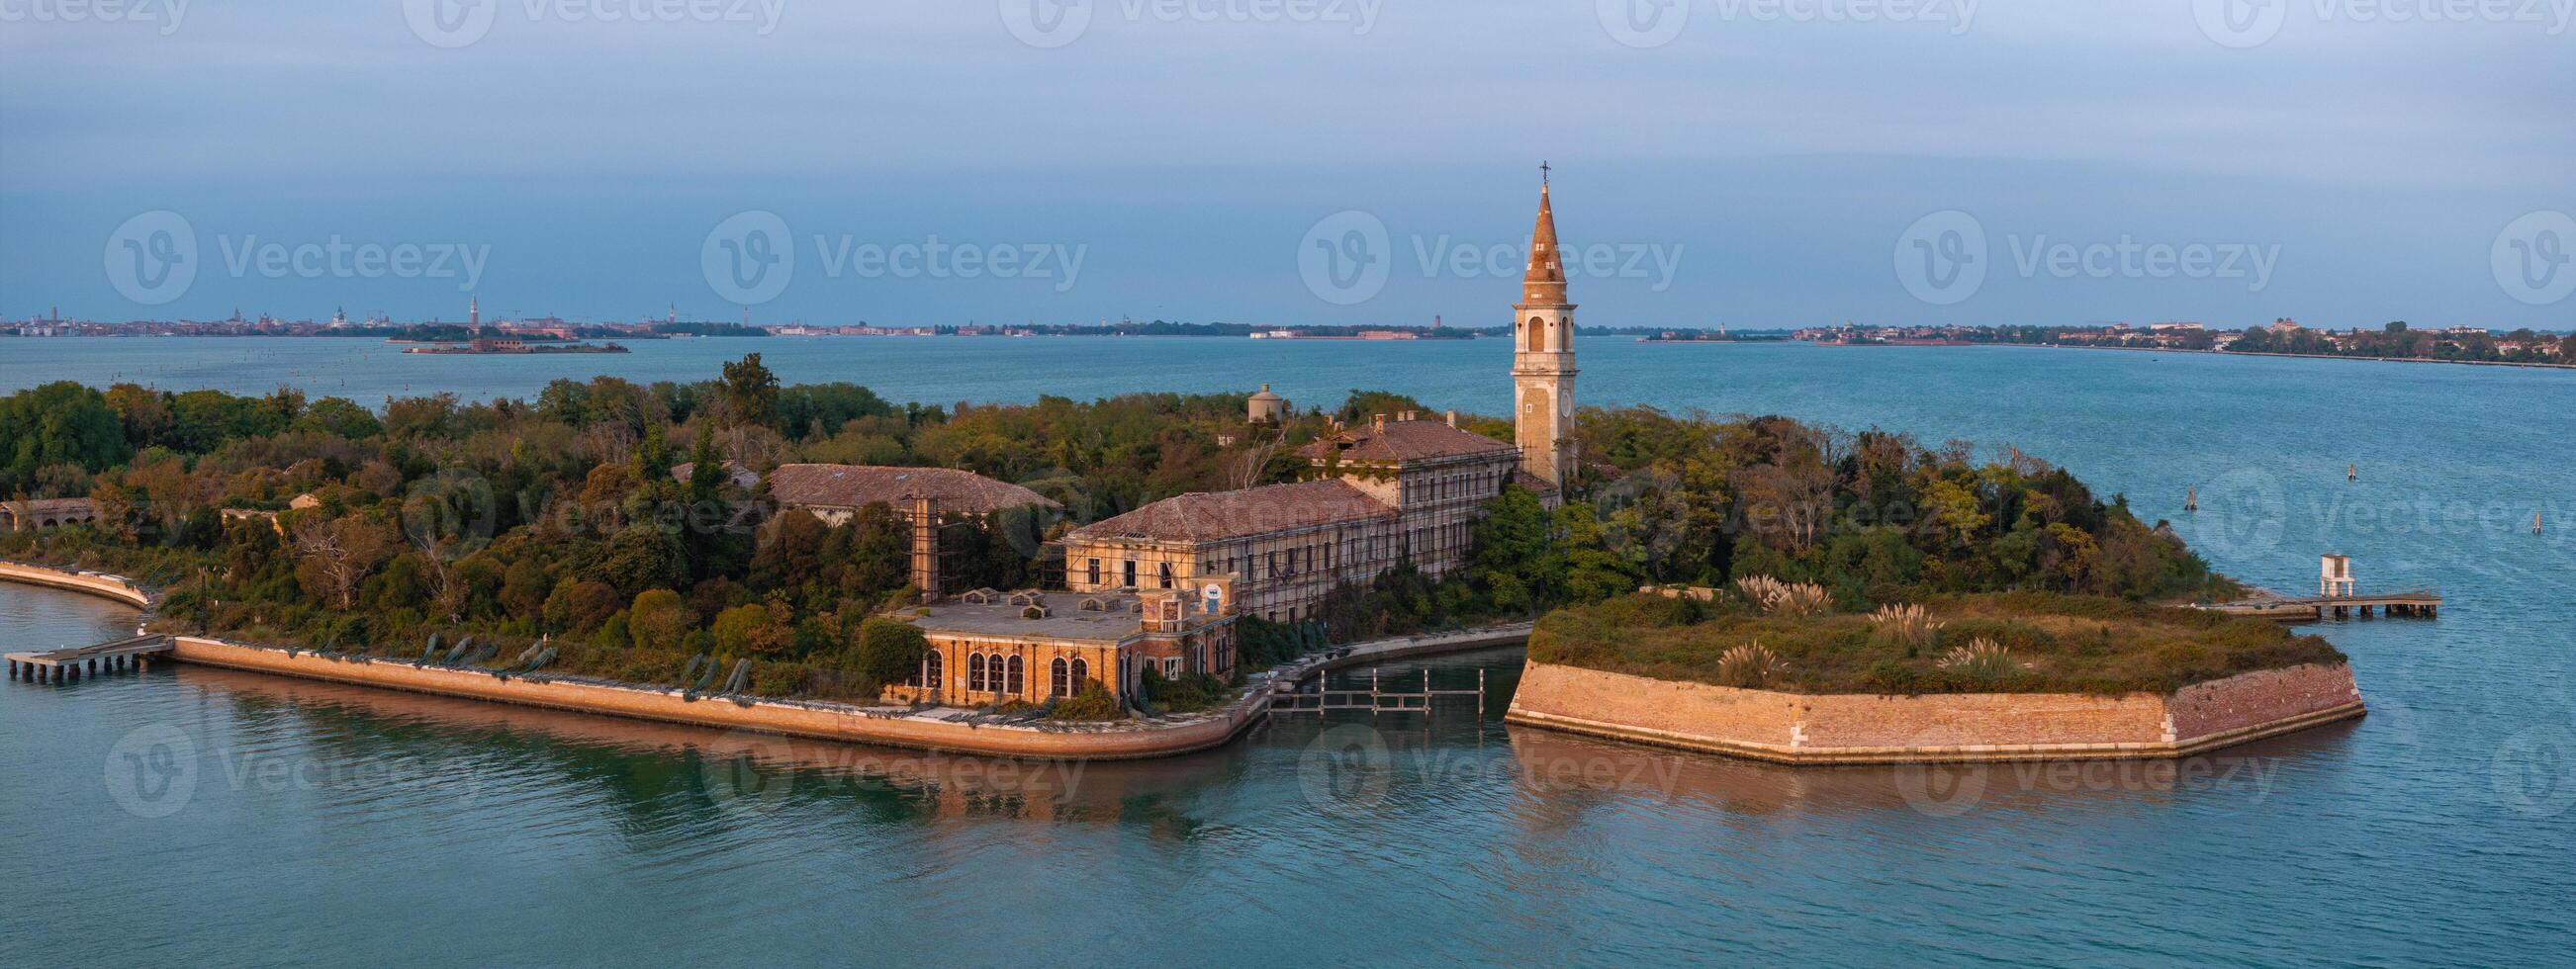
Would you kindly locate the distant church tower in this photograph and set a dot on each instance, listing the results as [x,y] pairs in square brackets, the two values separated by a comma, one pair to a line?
[473,312]
[1543,357]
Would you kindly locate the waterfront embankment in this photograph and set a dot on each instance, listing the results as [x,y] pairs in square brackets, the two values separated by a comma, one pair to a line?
[1796,728]
[100,584]
[946,730]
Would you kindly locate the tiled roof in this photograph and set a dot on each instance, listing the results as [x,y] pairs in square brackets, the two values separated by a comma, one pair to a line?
[860,485]
[1403,441]
[1215,516]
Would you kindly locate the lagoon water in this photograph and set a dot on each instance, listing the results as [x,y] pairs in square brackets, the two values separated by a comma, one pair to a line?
[224,819]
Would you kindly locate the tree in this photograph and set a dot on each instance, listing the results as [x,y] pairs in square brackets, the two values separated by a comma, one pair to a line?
[750,393]
[580,605]
[340,417]
[890,649]
[58,423]
[660,619]
[753,629]
[335,554]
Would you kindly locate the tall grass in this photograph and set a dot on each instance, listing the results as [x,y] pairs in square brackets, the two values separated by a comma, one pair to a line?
[1772,597]
[1908,625]
[1749,666]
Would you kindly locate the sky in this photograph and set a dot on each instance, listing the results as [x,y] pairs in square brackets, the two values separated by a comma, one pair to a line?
[1753,163]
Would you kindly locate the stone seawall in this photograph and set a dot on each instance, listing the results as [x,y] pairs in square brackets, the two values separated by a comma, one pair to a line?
[818,720]
[1867,729]
[108,586]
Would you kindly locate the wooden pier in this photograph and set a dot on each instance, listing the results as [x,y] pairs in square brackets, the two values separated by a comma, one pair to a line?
[2418,603]
[72,663]
[1376,699]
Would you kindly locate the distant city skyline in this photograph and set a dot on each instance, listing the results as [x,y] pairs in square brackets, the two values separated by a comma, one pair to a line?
[1762,171]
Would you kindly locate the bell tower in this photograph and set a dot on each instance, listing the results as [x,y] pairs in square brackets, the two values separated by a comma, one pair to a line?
[1543,356]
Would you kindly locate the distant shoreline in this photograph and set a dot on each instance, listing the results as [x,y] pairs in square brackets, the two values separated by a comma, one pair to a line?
[2225,353]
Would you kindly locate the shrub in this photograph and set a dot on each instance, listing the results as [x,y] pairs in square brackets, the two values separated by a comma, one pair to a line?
[1982,659]
[1910,626]
[1749,666]
[1092,703]
[1771,596]
[1188,694]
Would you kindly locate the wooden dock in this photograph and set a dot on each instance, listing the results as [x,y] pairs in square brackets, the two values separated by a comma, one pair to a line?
[1376,699]
[71,663]
[2418,603]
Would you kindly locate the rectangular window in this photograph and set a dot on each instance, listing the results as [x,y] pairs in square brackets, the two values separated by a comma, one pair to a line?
[1094,572]
[1165,574]
[1127,574]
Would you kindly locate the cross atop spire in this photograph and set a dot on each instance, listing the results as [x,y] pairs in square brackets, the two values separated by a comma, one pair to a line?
[1542,172]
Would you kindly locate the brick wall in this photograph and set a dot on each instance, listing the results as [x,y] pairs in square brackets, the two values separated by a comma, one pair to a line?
[1855,728]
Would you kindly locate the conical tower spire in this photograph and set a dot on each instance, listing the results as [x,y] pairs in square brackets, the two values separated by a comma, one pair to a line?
[1545,282]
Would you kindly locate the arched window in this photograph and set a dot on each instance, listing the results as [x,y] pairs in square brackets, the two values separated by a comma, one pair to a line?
[1012,685]
[975,672]
[930,669]
[1057,685]
[1537,334]
[1081,674]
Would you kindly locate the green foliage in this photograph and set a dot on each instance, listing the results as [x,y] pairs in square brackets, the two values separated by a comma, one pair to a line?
[1190,693]
[57,424]
[1260,643]
[752,629]
[660,619]
[1092,703]
[750,392]
[889,650]
[2020,642]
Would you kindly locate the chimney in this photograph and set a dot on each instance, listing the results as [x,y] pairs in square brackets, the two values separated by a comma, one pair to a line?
[1377,422]
[1453,417]
[925,547]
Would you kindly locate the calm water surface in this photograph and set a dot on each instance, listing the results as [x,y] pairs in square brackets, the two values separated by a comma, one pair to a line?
[219,818]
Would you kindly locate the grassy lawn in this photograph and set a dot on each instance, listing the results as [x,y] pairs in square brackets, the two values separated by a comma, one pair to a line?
[2018,642]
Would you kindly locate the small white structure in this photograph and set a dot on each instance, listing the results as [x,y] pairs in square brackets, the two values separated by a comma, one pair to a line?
[1266,407]
[2334,576]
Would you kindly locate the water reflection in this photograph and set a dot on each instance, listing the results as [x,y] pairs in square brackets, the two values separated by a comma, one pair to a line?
[1557,772]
